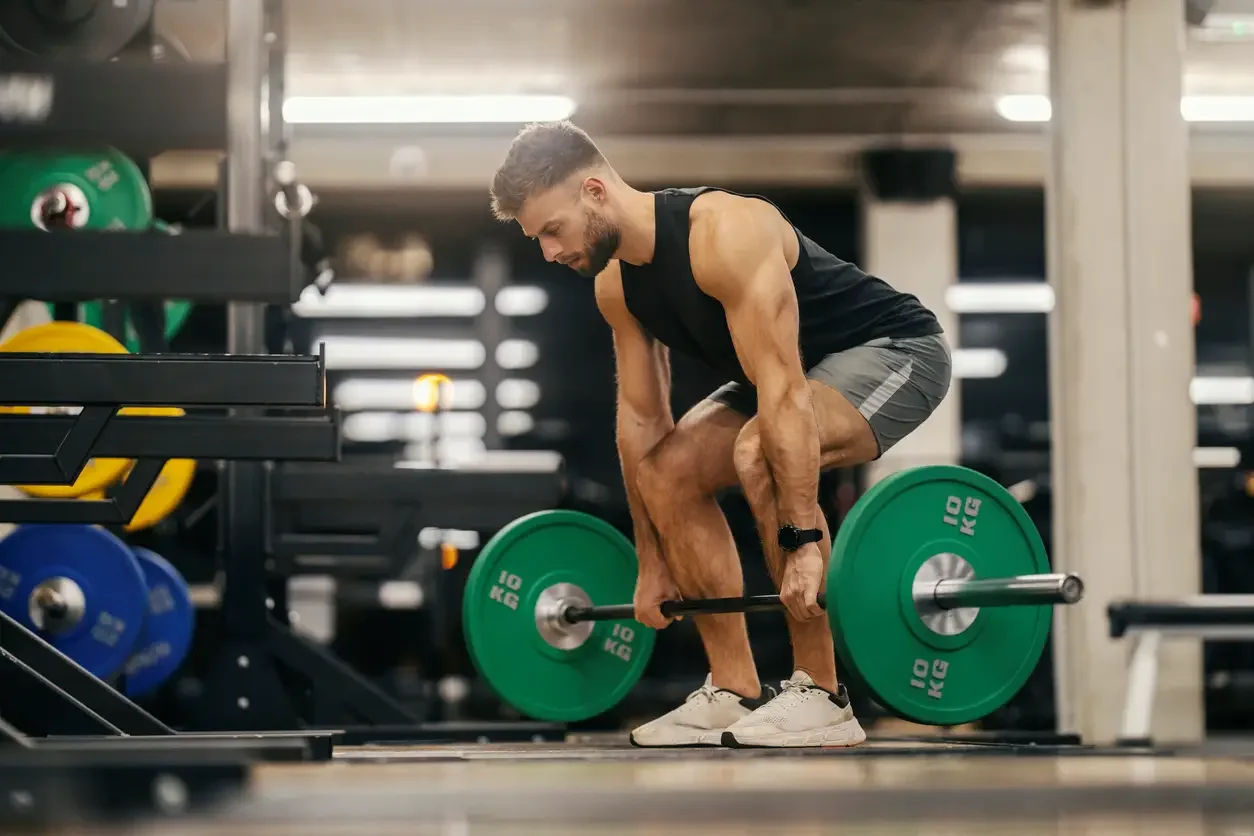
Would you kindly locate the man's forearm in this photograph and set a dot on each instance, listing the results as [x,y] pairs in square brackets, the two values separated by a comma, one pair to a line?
[790,441]
[637,436]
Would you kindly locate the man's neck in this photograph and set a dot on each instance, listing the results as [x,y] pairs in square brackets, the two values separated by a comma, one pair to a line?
[637,229]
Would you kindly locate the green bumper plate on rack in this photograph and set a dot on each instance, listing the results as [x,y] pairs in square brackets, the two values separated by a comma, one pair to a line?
[60,189]
[936,667]
[576,673]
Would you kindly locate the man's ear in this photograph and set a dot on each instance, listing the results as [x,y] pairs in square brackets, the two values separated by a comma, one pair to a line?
[594,188]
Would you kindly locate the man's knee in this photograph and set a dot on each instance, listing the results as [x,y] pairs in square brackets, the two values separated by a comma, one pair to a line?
[668,471]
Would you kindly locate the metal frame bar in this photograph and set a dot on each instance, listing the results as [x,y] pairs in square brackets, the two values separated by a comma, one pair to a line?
[33,703]
[66,680]
[199,265]
[162,380]
[1147,624]
[143,108]
[298,437]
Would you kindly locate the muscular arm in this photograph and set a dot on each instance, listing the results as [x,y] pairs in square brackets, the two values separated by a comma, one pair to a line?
[738,257]
[644,413]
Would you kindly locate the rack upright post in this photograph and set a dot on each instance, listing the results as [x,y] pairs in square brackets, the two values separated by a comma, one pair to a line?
[244,664]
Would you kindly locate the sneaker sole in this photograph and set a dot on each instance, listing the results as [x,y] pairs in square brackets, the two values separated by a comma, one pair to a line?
[712,738]
[826,739]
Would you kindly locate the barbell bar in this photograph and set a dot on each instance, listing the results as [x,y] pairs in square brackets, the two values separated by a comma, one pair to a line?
[1017,591]
[938,596]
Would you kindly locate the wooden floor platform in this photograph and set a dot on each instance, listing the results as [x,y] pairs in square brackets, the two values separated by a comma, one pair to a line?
[607,787]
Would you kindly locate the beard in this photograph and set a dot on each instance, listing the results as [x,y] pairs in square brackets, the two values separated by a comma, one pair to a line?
[601,241]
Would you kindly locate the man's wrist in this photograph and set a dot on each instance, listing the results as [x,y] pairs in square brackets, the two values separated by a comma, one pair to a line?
[791,538]
[649,553]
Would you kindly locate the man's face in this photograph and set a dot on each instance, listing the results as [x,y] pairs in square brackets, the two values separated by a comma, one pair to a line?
[572,229]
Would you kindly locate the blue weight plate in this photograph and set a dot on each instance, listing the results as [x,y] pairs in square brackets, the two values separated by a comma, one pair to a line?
[166,637]
[78,558]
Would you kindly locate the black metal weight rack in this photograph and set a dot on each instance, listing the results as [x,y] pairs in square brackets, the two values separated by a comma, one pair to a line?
[62,730]
[69,743]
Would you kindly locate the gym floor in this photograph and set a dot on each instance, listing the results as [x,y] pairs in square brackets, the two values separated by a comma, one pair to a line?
[603,785]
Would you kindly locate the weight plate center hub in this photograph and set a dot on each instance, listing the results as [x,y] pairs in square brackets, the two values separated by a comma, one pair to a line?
[942,567]
[63,206]
[57,605]
[551,605]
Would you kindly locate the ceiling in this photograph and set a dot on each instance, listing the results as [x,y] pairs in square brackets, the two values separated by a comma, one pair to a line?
[749,92]
[702,67]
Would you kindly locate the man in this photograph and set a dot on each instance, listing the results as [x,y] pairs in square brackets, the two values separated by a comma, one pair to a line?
[827,367]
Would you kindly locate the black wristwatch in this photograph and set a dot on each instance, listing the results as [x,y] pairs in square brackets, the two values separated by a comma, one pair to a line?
[792,538]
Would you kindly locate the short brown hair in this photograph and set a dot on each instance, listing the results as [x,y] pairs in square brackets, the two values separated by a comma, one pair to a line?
[543,155]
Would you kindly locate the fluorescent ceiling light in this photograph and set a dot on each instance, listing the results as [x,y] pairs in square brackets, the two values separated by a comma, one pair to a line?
[381,301]
[1214,391]
[973,363]
[433,538]
[412,426]
[1218,108]
[521,300]
[347,352]
[514,422]
[496,461]
[1216,457]
[360,394]
[1024,108]
[1033,108]
[516,393]
[397,110]
[458,453]
[1005,297]
[517,354]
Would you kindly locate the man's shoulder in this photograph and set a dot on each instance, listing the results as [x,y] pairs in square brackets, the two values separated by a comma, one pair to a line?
[723,225]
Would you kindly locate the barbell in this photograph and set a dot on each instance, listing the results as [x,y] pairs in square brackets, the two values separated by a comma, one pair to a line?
[938,598]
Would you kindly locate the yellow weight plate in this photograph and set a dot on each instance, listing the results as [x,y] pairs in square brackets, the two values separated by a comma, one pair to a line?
[63,338]
[171,487]
[166,495]
[68,338]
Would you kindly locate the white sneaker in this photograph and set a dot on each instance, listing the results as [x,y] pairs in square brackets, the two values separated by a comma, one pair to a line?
[802,715]
[701,720]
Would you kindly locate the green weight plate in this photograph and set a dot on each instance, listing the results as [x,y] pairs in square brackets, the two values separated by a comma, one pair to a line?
[906,520]
[536,676]
[82,190]
[176,313]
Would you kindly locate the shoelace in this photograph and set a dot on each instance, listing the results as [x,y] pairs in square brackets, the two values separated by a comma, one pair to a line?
[707,691]
[790,696]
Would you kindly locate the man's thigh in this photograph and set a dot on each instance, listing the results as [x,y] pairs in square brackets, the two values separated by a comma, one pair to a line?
[698,452]
[865,399]
[893,384]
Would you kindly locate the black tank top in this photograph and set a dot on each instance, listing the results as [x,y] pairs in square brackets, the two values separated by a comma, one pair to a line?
[840,306]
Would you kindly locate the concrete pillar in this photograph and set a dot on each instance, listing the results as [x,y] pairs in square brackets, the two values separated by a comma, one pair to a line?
[910,239]
[1121,351]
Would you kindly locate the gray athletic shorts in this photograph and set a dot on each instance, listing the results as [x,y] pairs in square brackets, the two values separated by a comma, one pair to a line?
[895,383]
